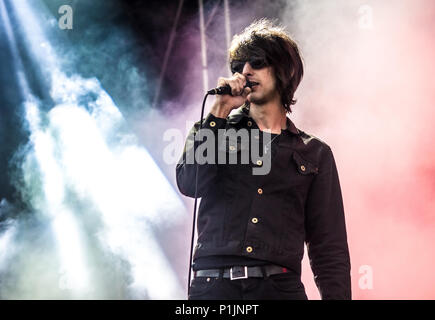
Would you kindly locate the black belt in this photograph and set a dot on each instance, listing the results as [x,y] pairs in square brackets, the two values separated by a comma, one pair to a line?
[242,272]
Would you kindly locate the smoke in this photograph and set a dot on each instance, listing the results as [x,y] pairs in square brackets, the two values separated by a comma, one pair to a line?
[96,199]
[367,93]
[100,217]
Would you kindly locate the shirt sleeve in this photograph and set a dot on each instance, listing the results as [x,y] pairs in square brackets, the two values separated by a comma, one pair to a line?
[325,232]
[186,166]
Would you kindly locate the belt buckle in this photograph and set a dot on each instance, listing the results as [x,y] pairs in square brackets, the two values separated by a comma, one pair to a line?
[238,270]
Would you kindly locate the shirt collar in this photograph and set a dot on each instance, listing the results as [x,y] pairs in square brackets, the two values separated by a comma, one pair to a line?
[243,112]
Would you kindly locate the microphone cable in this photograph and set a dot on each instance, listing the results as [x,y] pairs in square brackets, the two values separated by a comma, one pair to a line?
[219,91]
[196,196]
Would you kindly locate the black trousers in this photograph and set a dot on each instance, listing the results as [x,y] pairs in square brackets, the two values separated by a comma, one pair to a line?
[284,286]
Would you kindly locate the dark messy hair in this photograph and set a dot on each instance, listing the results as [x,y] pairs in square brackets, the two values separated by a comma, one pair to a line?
[263,39]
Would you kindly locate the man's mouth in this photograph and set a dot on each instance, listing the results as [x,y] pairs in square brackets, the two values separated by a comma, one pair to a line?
[253,83]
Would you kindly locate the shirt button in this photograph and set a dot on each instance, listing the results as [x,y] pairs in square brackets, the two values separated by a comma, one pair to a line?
[303,168]
[259,162]
[249,249]
[257,137]
[249,123]
[212,124]
[260,191]
[254,220]
[232,148]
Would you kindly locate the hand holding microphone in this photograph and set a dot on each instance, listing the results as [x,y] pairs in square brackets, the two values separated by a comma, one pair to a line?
[231,94]
[226,89]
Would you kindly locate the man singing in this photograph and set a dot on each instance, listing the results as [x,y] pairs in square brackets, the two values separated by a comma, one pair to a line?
[252,227]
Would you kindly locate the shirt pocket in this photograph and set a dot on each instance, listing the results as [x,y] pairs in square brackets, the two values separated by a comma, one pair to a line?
[303,166]
[302,173]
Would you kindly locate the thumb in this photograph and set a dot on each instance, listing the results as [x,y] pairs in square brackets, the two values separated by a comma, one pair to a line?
[246,91]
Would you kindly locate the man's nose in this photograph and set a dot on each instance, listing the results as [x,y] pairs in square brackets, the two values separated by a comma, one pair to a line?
[247,69]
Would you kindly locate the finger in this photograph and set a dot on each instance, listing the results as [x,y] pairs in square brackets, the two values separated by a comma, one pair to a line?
[235,89]
[240,89]
[241,79]
[239,75]
[222,81]
[246,91]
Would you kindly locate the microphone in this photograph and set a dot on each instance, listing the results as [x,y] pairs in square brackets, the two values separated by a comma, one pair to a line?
[226,89]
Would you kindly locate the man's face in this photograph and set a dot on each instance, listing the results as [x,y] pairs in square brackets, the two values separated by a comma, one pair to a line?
[262,75]
[264,89]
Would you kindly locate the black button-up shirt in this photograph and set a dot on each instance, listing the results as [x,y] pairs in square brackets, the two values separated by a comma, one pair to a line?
[269,217]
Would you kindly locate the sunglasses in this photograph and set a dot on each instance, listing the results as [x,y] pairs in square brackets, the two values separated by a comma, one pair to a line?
[256,63]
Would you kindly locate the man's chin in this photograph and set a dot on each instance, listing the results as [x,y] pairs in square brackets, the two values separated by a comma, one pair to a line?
[255,100]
